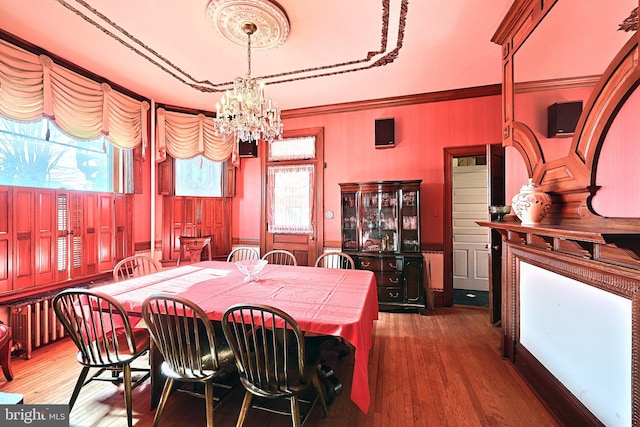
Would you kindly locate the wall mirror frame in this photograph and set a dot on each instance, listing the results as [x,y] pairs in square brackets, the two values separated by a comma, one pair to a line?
[573,241]
[570,180]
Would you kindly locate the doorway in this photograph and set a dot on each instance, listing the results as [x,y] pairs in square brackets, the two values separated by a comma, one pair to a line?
[491,250]
[470,242]
[292,194]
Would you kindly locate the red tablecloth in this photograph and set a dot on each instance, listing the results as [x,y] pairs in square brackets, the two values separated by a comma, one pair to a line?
[325,301]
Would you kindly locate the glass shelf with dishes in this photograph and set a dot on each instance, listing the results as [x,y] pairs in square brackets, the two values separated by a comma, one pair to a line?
[379,231]
[410,220]
[382,216]
[349,221]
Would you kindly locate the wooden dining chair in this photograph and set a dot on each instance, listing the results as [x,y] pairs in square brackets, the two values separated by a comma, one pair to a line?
[274,360]
[101,330]
[134,266]
[338,260]
[280,257]
[242,253]
[191,349]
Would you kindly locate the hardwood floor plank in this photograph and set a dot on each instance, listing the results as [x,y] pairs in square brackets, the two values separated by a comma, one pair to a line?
[442,369]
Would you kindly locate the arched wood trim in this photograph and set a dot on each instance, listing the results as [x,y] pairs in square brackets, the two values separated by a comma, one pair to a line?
[605,101]
[525,141]
[571,180]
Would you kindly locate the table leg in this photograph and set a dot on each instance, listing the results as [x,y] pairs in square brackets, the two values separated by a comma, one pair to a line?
[157,380]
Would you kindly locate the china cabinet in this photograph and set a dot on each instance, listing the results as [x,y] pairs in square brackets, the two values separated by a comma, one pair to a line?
[381,231]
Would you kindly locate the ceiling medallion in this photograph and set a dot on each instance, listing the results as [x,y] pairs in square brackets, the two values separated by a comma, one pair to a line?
[228,16]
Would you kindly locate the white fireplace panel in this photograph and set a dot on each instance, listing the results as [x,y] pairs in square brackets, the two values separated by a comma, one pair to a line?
[582,335]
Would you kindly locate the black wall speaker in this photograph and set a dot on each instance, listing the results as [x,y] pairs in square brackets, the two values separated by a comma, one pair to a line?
[247,148]
[385,133]
[562,118]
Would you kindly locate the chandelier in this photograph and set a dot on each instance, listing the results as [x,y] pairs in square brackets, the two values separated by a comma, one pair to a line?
[244,113]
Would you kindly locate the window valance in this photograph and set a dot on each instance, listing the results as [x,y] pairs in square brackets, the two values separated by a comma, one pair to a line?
[34,86]
[184,135]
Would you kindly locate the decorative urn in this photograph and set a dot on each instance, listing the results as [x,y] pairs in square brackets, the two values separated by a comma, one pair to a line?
[530,204]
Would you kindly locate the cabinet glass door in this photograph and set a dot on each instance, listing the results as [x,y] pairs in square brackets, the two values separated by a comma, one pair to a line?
[379,221]
[410,222]
[349,221]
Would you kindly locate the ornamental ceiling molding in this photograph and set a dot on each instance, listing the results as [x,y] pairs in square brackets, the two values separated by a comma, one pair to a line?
[630,23]
[378,58]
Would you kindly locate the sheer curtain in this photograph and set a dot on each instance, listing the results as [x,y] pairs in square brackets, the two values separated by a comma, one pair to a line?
[290,199]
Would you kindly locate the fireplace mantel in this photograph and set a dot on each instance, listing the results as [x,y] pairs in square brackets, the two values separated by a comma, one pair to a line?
[616,246]
[556,268]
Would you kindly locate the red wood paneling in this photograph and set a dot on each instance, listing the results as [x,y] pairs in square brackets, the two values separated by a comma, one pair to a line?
[23,222]
[45,236]
[106,237]
[6,238]
[182,214]
[90,228]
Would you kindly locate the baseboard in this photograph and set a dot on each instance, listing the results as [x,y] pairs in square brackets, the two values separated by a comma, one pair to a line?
[438,297]
[560,401]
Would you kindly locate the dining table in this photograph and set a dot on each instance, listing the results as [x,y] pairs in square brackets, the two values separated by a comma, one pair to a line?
[325,301]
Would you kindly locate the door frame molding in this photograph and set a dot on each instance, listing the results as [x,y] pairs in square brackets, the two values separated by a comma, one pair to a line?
[318,221]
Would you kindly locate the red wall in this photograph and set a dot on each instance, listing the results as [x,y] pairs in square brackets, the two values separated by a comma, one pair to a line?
[422,131]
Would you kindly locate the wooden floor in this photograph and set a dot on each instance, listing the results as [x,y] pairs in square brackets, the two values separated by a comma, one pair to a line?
[442,369]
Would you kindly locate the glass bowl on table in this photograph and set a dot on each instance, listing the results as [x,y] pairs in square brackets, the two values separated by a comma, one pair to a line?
[251,268]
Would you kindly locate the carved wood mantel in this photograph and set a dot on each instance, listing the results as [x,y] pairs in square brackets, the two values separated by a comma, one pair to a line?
[604,258]
[611,246]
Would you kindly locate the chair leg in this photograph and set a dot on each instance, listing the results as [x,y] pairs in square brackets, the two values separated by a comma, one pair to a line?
[295,411]
[319,389]
[79,384]
[208,394]
[246,405]
[127,393]
[5,360]
[168,385]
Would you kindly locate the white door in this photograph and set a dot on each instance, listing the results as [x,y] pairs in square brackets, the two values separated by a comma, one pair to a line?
[470,241]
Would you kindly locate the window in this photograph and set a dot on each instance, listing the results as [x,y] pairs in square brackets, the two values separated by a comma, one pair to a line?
[290,198]
[37,154]
[198,176]
[290,187]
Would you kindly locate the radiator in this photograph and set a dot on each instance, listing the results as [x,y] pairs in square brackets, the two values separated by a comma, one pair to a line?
[34,324]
